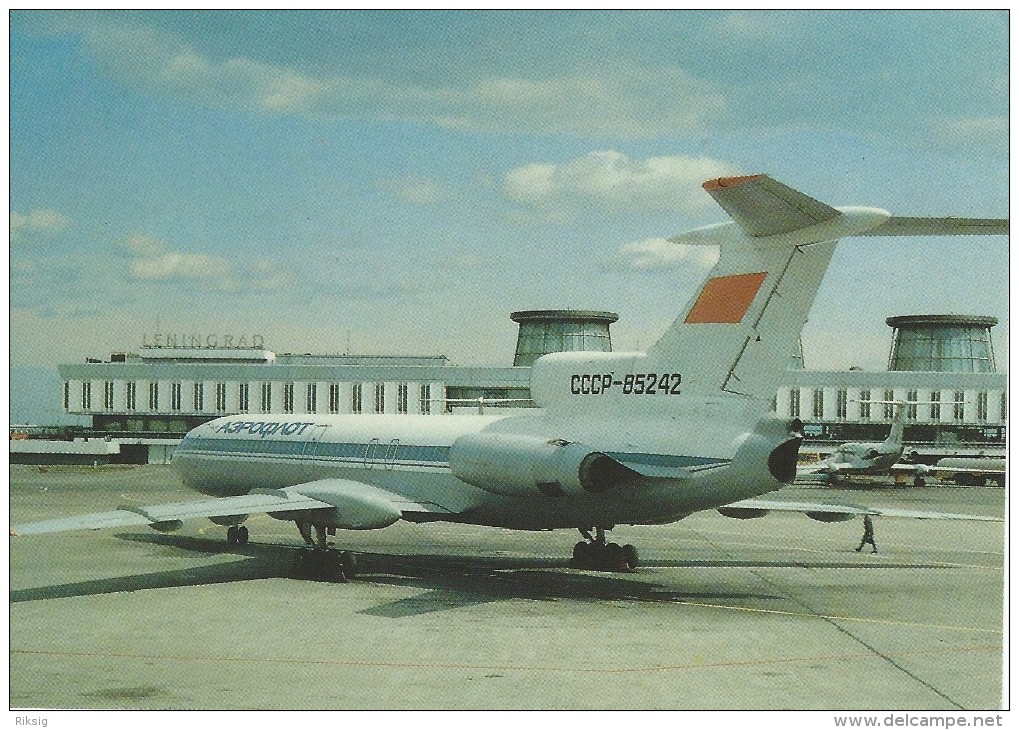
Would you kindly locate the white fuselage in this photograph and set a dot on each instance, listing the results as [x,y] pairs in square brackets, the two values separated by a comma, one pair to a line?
[409,455]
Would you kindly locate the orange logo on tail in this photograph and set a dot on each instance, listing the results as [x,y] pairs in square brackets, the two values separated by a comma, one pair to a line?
[725,299]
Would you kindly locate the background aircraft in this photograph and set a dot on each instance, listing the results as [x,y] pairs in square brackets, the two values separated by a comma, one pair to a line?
[866,457]
[616,438]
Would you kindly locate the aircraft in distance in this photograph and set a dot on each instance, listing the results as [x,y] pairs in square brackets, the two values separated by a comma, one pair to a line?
[865,458]
[972,471]
[616,437]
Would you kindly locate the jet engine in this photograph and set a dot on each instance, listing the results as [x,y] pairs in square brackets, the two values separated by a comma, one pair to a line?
[519,466]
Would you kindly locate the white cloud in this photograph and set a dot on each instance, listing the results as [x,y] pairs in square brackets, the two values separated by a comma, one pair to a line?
[145,246]
[987,134]
[610,100]
[659,253]
[179,266]
[41,220]
[420,190]
[610,181]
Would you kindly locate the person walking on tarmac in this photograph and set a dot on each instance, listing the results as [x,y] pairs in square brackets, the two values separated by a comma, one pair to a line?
[868,534]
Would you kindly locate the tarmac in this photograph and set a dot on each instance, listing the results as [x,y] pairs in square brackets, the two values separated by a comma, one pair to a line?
[778,613]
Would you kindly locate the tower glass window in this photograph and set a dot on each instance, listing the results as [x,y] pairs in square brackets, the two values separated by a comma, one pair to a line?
[559,330]
[942,343]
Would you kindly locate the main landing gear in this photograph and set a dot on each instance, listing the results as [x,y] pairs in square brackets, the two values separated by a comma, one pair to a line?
[594,553]
[319,561]
[237,535]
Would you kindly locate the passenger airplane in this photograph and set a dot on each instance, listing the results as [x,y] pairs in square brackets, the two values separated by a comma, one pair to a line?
[616,438]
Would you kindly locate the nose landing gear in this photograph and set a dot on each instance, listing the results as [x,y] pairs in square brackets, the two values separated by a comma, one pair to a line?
[594,553]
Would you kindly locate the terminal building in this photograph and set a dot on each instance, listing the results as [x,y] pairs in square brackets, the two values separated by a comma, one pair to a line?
[141,404]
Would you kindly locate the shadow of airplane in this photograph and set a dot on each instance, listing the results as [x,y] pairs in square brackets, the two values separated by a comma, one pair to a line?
[449,581]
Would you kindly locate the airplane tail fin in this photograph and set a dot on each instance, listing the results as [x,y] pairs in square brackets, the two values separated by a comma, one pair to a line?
[738,333]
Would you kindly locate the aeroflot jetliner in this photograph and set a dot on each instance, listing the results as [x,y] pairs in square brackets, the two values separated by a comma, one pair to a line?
[616,438]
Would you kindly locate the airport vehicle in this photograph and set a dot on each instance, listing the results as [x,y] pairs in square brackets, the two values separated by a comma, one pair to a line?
[616,438]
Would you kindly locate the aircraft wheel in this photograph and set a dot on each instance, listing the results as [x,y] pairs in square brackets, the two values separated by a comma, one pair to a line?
[231,534]
[242,535]
[612,556]
[348,564]
[586,555]
[630,556]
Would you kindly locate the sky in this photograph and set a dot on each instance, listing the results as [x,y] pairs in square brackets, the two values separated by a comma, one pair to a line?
[399,182]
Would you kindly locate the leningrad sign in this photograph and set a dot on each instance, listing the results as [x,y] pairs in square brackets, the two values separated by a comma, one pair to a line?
[203,342]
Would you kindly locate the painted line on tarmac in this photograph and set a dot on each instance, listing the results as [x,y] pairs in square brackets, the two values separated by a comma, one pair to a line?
[357,663]
[909,624]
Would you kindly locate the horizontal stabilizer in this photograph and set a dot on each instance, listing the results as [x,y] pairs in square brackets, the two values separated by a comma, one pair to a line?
[904,226]
[762,206]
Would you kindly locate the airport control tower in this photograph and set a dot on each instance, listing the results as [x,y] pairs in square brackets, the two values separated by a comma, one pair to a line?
[941,343]
[560,330]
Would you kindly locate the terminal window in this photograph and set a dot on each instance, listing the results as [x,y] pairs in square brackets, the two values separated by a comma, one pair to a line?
[401,398]
[982,405]
[311,398]
[175,396]
[153,396]
[865,405]
[334,397]
[242,397]
[426,399]
[841,404]
[288,397]
[380,397]
[355,398]
[221,397]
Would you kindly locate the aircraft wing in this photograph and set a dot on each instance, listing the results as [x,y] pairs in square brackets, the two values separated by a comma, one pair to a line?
[357,506]
[838,512]
[905,226]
